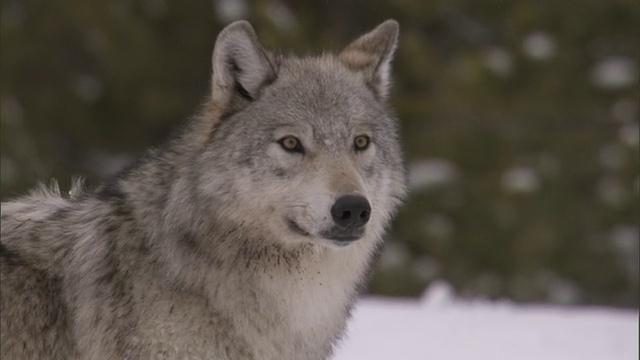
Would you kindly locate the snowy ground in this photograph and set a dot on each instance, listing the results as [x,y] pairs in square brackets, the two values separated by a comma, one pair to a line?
[438,327]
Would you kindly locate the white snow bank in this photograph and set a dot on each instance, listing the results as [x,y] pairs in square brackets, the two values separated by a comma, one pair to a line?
[438,327]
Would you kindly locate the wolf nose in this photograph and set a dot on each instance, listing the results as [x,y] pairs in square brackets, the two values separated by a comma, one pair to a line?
[351,211]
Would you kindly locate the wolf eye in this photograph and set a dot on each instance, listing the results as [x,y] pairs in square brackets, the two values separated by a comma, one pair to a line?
[291,144]
[361,142]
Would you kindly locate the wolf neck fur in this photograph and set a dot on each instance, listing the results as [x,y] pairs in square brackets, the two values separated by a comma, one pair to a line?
[320,283]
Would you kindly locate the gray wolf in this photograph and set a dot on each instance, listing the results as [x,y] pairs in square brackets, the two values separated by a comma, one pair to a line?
[247,236]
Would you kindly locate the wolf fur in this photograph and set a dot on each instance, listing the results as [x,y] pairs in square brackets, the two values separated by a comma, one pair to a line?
[224,243]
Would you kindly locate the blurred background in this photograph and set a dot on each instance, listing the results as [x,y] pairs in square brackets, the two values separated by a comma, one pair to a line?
[520,122]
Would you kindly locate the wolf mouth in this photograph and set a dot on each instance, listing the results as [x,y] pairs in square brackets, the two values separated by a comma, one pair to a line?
[343,236]
[343,239]
[293,226]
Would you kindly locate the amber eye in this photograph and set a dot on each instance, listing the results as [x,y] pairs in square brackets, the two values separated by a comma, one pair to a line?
[291,144]
[361,142]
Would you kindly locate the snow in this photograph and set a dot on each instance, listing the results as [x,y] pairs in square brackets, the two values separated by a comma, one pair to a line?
[439,327]
[432,172]
[615,73]
[539,46]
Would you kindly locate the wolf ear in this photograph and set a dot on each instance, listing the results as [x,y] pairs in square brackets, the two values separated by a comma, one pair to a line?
[241,67]
[371,55]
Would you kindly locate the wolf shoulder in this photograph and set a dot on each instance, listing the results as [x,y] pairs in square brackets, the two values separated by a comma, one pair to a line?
[34,239]
[40,229]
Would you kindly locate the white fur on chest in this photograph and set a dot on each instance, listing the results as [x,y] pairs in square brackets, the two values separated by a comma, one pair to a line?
[284,314]
[315,297]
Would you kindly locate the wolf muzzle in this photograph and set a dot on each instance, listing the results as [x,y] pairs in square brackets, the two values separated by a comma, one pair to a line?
[350,214]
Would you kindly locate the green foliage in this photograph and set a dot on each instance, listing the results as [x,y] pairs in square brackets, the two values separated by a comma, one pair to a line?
[520,122]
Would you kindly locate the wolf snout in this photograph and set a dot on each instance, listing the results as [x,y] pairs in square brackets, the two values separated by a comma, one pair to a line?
[351,211]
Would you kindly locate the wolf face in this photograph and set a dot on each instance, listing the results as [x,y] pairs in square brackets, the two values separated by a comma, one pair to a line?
[309,142]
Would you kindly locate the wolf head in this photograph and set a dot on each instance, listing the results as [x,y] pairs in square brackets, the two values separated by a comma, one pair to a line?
[303,149]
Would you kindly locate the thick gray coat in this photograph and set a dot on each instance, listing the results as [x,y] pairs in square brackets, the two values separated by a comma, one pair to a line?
[215,245]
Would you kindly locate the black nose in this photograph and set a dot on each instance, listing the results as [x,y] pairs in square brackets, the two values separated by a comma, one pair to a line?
[351,211]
